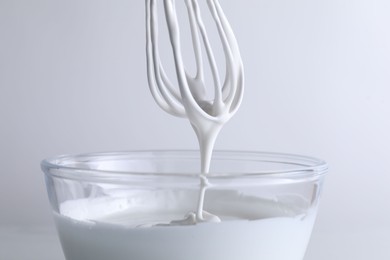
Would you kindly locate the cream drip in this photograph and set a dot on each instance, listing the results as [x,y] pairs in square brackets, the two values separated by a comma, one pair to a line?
[189,100]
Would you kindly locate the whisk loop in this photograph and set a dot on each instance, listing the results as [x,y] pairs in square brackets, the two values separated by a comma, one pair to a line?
[192,89]
[188,99]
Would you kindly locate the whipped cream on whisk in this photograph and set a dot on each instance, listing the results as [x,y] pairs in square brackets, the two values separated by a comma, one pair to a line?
[188,99]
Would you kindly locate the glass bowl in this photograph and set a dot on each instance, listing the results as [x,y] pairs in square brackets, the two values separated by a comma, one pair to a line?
[133,205]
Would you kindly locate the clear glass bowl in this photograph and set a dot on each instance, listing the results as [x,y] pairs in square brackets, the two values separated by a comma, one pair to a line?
[129,205]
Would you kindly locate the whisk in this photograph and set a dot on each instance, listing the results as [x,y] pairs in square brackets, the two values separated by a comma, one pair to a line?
[188,99]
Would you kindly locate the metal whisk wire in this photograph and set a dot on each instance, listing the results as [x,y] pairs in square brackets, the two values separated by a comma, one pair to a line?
[190,96]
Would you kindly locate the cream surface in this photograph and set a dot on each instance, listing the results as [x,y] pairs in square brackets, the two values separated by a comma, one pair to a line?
[141,226]
[189,98]
[145,208]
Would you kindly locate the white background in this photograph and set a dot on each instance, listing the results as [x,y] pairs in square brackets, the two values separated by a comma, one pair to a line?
[73,79]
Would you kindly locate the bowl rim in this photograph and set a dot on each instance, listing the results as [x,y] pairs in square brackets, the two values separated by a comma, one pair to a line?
[304,167]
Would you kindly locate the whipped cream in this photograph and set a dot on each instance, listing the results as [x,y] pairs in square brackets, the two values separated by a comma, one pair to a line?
[146,208]
[140,226]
